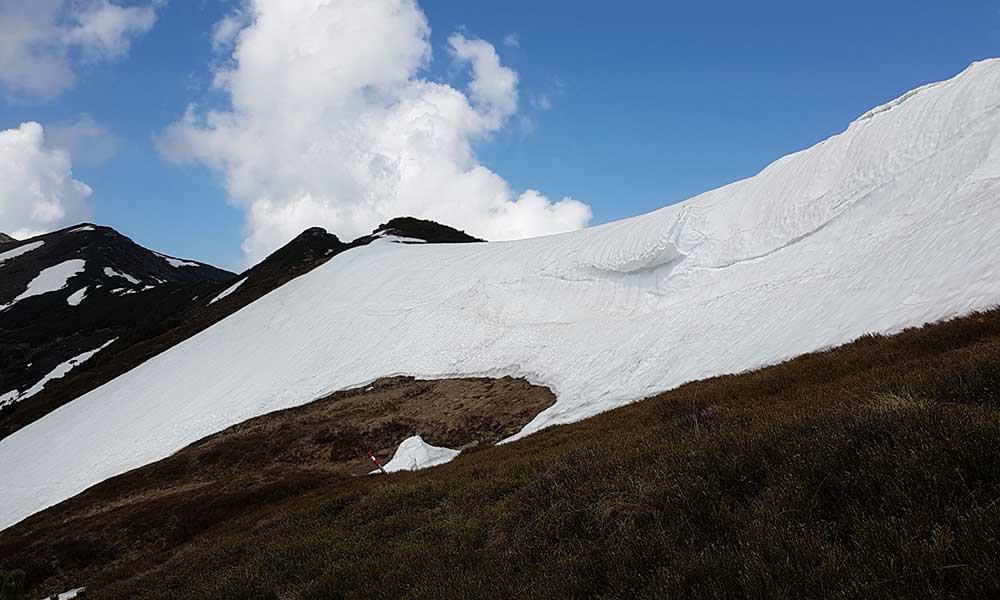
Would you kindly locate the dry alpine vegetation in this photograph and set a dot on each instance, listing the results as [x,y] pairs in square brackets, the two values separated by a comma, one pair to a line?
[868,471]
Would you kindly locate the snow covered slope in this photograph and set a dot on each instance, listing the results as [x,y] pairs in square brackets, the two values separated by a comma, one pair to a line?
[894,222]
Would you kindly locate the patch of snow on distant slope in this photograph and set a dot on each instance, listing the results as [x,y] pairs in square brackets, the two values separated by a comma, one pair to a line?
[414,453]
[9,398]
[229,291]
[890,224]
[82,228]
[176,262]
[113,273]
[77,297]
[70,595]
[58,373]
[24,249]
[49,280]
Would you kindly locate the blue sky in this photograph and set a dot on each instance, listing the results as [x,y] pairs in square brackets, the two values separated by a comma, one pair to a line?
[626,107]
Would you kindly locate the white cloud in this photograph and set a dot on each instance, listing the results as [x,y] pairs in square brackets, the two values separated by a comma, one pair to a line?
[37,189]
[511,40]
[493,89]
[89,142]
[541,102]
[41,41]
[225,31]
[331,122]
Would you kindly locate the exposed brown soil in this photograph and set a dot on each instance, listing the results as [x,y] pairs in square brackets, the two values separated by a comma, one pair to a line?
[139,517]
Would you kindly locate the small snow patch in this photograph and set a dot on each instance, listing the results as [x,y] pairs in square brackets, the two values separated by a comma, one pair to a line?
[83,228]
[57,373]
[414,453]
[9,398]
[398,239]
[176,262]
[77,297]
[49,280]
[113,273]
[229,291]
[67,595]
[8,255]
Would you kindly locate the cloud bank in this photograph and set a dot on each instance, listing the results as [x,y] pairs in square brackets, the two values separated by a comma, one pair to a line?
[89,143]
[331,121]
[37,189]
[42,41]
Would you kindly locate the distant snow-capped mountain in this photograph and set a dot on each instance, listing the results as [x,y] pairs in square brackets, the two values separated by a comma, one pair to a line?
[81,306]
[69,295]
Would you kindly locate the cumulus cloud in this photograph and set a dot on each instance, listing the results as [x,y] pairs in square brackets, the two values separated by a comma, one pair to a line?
[42,41]
[89,142]
[225,31]
[331,121]
[37,189]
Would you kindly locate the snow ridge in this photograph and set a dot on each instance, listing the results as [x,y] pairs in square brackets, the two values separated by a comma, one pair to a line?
[893,223]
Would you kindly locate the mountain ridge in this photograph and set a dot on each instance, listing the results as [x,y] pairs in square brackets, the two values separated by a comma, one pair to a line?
[139,330]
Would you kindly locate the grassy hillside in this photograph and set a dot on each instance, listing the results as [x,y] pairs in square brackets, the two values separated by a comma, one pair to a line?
[868,471]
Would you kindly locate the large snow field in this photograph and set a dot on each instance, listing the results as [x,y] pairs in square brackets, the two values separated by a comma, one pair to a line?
[895,222]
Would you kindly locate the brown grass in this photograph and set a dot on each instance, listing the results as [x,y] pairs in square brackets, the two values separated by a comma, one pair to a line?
[868,471]
[133,519]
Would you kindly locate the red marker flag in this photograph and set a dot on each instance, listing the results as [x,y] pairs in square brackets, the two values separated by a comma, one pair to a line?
[377,463]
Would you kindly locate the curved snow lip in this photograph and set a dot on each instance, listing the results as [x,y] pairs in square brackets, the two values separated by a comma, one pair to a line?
[897,102]
[882,227]
[878,110]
